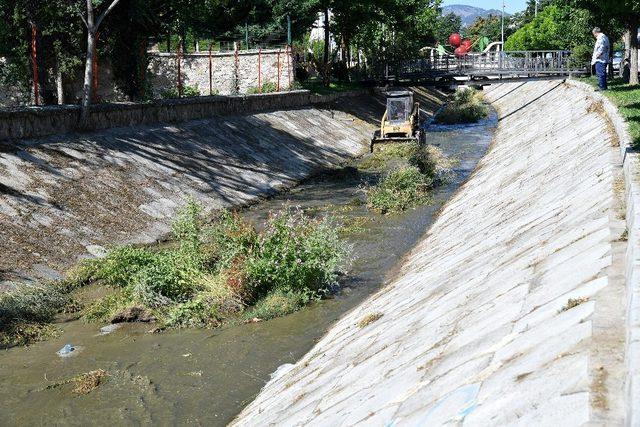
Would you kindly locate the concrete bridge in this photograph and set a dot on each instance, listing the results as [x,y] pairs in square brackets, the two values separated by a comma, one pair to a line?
[519,307]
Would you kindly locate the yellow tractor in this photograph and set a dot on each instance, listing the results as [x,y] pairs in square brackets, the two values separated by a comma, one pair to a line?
[401,120]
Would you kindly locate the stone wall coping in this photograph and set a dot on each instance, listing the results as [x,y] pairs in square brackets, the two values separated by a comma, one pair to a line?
[631,166]
[251,52]
[33,122]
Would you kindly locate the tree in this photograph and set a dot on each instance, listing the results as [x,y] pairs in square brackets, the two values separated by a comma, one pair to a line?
[447,25]
[93,25]
[490,27]
[626,14]
[555,28]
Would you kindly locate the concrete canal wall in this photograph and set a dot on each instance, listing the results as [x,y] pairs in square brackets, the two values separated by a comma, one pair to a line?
[70,196]
[513,308]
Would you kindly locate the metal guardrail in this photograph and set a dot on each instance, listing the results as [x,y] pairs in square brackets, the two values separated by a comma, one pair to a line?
[539,62]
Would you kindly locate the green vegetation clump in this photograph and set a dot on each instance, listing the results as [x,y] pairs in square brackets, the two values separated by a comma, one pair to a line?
[379,159]
[409,185]
[467,106]
[400,190]
[213,273]
[268,87]
[26,312]
[187,92]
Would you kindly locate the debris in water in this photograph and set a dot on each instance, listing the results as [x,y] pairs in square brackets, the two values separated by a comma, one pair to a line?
[88,382]
[109,328]
[66,350]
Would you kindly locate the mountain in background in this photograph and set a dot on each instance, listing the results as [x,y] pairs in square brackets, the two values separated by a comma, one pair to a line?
[468,14]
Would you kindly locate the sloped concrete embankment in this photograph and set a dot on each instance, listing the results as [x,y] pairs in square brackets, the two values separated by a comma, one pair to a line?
[511,309]
[631,165]
[66,197]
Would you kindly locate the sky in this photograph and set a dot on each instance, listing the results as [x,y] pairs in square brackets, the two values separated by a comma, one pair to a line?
[511,6]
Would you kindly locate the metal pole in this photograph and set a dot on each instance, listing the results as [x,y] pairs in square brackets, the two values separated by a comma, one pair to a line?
[502,37]
[246,35]
[536,8]
[179,59]
[259,70]
[210,69]
[289,65]
[236,68]
[288,29]
[34,59]
[279,50]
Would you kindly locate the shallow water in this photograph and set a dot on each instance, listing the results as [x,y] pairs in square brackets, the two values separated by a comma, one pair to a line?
[205,377]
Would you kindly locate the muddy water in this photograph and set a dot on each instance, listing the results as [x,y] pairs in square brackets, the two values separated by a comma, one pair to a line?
[204,377]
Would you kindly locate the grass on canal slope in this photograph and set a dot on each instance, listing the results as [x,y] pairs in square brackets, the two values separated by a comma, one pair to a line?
[627,99]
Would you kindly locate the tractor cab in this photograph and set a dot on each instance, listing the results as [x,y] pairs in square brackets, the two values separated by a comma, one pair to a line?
[401,120]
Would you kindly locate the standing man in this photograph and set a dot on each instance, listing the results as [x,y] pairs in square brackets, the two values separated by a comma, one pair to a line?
[600,57]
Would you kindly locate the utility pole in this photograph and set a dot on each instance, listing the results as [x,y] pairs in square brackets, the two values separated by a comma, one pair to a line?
[289,29]
[536,8]
[246,35]
[502,35]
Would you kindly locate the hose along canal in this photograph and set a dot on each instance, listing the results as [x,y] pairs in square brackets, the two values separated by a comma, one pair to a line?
[207,376]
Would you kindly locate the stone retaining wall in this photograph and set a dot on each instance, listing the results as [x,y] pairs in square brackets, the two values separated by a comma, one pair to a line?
[32,122]
[229,74]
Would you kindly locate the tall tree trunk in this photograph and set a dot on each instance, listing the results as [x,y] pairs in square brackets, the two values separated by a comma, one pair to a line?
[92,28]
[59,86]
[326,74]
[87,87]
[627,49]
[633,30]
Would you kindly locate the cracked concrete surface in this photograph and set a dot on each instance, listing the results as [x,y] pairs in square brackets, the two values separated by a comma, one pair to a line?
[511,309]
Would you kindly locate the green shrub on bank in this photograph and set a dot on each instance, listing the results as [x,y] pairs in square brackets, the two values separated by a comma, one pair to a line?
[466,106]
[268,87]
[187,92]
[295,254]
[400,190]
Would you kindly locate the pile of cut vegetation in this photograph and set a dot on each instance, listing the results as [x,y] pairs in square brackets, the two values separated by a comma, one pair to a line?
[467,106]
[413,171]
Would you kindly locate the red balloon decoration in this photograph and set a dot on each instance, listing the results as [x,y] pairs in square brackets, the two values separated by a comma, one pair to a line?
[460,51]
[466,43]
[455,39]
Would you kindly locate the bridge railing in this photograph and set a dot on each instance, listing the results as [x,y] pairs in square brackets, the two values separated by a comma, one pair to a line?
[532,62]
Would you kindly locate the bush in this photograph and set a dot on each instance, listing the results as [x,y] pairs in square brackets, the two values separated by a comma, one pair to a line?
[187,92]
[399,190]
[467,106]
[212,272]
[267,87]
[295,254]
[31,304]
[122,264]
